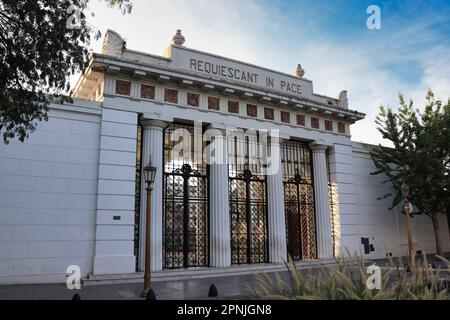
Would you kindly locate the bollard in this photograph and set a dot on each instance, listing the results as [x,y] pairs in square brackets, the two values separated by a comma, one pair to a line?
[76,296]
[150,295]
[212,292]
[407,268]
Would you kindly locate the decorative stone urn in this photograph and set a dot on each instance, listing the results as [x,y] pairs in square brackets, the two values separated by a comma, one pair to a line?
[299,72]
[178,38]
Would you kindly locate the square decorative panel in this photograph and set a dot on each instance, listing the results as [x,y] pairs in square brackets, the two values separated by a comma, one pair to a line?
[147,92]
[268,114]
[252,110]
[123,87]
[315,123]
[193,99]
[341,127]
[301,120]
[285,116]
[328,125]
[233,106]
[171,95]
[213,103]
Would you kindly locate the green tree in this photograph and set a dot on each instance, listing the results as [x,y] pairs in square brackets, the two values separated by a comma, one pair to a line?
[420,156]
[42,43]
[445,132]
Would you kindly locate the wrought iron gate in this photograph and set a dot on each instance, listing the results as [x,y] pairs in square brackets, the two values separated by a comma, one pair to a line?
[332,195]
[185,217]
[137,199]
[299,200]
[248,208]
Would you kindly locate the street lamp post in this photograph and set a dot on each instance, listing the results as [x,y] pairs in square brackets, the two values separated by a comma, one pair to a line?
[149,174]
[405,193]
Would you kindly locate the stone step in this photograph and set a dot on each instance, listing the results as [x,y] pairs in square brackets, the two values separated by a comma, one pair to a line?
[197,273]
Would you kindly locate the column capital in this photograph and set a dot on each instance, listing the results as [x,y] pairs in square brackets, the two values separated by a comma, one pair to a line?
[282,139]
[154,123]
[318,145]
[279,136]
[218,126]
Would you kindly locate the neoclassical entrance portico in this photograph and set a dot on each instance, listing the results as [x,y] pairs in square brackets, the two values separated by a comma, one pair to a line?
[227,213]
[242,174]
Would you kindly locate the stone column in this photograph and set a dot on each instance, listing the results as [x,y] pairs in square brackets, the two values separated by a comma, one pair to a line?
[275,203]
[220,239]
[152,150]
[321,198]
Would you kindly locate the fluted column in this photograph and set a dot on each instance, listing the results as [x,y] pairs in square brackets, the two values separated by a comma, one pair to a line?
[275,203]
[220,242]
[323,216]
[152,150]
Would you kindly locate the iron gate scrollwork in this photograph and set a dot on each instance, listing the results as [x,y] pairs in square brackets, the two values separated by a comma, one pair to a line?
[137,199]
[248,211]
[185,217]
[299,200]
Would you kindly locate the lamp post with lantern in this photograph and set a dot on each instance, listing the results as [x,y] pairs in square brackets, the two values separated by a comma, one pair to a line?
[405,193]
[149,175]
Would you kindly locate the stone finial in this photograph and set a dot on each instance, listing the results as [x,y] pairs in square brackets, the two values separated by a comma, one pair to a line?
[343,100]
[178,38]
[299,72]
[113,44]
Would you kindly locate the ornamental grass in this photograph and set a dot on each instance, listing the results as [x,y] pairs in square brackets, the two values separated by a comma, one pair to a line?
[347,280]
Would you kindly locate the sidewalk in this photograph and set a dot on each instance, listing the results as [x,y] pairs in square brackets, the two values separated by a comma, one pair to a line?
[230,287]
[173,285]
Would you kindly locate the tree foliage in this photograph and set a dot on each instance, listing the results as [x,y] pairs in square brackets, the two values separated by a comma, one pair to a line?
[420,155]
[39,51]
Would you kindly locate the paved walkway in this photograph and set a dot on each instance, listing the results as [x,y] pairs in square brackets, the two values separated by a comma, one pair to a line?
[230,287]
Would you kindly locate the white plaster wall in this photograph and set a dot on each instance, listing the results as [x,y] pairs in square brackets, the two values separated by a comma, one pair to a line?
[48,187]
[363,215]
[370,218]
[423,233]
[116,193]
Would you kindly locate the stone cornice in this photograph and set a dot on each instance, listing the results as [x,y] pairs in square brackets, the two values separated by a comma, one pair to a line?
[104,64]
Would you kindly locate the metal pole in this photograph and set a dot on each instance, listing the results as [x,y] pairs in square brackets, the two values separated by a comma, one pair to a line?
[408,224]
[147,273]
[186,220]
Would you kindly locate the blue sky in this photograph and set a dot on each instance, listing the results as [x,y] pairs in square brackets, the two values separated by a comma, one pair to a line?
[409,54]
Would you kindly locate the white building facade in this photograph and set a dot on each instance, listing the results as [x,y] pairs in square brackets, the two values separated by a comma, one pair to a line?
[252,167]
